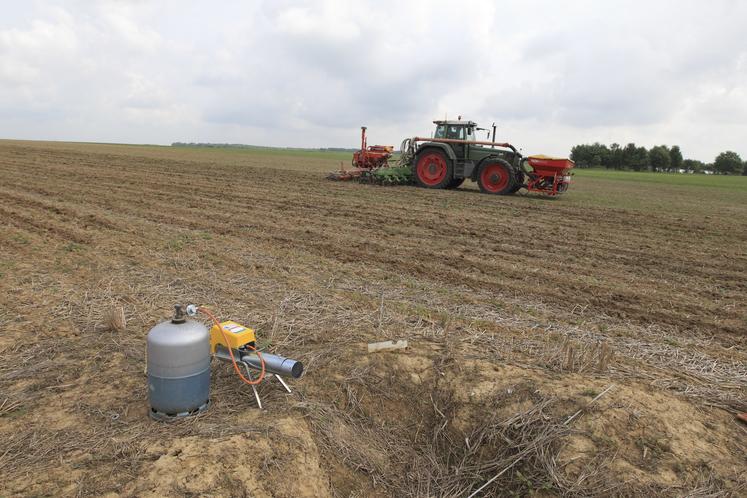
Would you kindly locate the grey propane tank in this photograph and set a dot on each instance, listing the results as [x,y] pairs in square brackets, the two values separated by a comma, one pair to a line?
[178,368]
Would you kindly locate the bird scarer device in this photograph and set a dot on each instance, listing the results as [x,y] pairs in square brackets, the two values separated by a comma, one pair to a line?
[179,352]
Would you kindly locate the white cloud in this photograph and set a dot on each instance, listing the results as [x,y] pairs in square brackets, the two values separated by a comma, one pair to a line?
[310,73]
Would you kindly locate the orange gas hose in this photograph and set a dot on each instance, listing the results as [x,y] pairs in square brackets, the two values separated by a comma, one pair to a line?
[230,350]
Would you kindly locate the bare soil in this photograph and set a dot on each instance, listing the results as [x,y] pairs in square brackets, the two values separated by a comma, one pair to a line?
[519,311]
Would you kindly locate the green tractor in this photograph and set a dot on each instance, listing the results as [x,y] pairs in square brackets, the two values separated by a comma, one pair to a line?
[454,154]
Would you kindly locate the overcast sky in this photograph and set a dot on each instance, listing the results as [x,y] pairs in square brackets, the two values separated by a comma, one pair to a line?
[551,74]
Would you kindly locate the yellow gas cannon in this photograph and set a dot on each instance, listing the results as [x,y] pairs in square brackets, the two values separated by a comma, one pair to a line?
[235,343]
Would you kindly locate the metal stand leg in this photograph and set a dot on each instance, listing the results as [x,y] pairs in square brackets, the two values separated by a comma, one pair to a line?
[254,388]
[284,384]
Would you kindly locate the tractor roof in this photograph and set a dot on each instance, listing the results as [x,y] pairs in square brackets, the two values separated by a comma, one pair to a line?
[456,123]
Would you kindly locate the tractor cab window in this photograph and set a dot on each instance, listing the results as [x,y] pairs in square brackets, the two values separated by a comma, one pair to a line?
[440,131]
[470,134]
[456,132]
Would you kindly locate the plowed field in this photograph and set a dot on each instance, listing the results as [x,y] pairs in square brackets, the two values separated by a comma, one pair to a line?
[519,311]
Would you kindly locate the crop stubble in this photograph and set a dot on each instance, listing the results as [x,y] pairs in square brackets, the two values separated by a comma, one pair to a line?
[497,295]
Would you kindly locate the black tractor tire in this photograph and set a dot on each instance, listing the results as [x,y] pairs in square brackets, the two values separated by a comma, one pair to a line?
[455,183]
[496,177]
[432,169]
[519,182]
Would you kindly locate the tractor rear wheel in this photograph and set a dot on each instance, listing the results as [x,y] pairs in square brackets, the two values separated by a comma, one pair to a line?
[455,183]
[496,177]
[432,169]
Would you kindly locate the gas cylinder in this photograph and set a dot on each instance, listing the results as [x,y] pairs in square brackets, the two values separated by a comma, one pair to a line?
[178,368]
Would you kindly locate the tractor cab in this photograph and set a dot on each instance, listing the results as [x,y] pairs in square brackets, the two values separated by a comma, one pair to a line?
[458,130]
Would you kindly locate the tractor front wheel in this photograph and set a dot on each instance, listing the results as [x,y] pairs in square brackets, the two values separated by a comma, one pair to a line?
[433,169]
[496,177]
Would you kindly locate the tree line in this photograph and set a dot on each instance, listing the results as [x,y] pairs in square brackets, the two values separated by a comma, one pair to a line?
[658,158]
